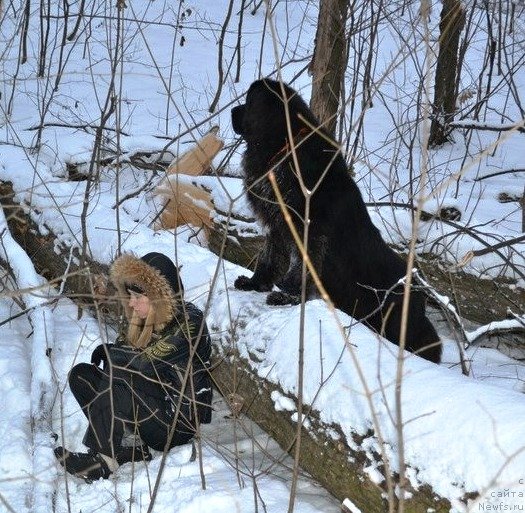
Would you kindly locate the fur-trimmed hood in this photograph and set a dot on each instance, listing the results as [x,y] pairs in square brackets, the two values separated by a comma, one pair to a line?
[154,274]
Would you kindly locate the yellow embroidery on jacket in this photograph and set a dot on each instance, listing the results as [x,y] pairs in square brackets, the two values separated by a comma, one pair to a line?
[163,347]
[160,349]
[187,328]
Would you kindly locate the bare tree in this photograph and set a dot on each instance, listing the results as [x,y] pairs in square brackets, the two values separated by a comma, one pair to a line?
[329,61]
[445,93]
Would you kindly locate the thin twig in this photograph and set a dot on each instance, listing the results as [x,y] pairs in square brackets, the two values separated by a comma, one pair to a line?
[499,173]
[220,83]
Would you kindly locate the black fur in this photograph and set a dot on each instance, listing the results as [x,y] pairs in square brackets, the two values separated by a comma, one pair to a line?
[355,265]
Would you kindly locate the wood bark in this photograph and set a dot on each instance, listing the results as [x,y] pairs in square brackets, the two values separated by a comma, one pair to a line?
[185,202]
[445,92]
[329,62]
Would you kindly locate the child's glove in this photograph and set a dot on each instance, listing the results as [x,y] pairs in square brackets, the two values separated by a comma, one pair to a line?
[100,356]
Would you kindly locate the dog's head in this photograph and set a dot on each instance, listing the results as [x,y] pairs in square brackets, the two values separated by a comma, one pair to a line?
[263,115]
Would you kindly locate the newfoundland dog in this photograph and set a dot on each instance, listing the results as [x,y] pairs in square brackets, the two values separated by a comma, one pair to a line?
[357,268]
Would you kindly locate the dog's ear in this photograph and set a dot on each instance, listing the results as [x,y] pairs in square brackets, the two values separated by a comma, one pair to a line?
[238,119]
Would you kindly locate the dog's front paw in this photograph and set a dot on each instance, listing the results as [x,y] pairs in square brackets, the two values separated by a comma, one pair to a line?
[278,298]
[245,283]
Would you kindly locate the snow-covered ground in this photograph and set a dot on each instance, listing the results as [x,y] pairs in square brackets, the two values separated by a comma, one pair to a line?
[462,435]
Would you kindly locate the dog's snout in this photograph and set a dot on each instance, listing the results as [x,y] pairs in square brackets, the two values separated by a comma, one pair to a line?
[237,119]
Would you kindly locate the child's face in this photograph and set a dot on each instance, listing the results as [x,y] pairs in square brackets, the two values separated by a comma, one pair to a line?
[139,303]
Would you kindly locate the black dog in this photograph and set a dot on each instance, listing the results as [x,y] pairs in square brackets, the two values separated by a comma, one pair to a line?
[357,268]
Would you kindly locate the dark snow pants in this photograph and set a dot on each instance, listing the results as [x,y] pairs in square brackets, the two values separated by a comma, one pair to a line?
[123,398]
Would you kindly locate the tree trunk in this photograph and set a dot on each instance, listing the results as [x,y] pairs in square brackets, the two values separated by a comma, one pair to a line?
[445,93]
[329,61]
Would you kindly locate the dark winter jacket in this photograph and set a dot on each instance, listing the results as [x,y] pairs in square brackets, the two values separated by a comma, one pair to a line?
[178,355]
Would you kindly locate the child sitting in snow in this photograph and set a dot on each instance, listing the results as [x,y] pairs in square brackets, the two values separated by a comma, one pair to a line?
[156,384]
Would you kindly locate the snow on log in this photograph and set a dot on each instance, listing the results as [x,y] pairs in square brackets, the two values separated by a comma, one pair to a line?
[33,292]
[463,438]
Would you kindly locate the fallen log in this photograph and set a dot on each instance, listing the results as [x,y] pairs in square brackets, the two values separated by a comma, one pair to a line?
[333,462]
[337,463]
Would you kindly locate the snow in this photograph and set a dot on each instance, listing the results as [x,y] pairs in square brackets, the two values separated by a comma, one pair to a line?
[352,508]
[333,387]
[462,435]
[282,402]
